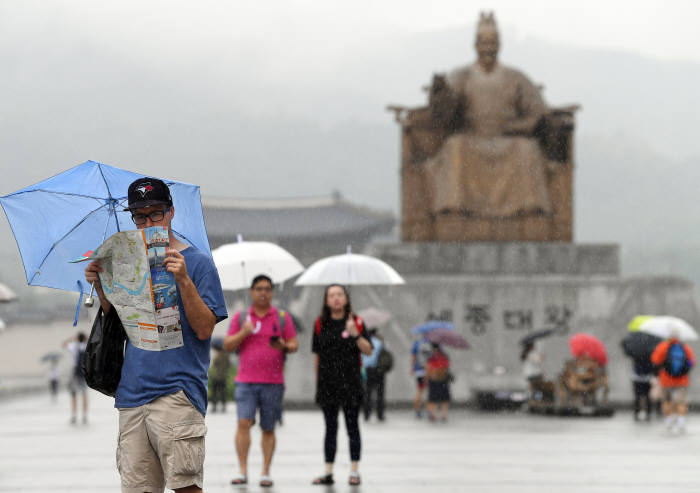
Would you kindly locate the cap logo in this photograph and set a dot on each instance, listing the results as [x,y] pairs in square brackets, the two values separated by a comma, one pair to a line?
[144,189]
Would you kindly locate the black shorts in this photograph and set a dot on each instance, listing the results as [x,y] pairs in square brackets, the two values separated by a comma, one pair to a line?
[438,391]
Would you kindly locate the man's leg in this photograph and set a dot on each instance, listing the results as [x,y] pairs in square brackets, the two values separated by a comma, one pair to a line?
[380,397]
[681,407]
[418,399]
[73,406]
[270,412]
[85,406]
[137,461]
[243,444]
[668,408]
[246,406]
[370,388]
[268,448]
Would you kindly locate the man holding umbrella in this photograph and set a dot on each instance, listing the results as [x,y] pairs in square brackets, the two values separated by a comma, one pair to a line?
[162,395]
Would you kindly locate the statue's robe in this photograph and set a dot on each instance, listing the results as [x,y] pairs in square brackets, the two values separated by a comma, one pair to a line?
[482,170]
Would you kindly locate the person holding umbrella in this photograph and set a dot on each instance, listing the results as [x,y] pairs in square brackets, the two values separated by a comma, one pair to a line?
[437,372]
[338,341]
[638,346]
[162,395]
[674,360]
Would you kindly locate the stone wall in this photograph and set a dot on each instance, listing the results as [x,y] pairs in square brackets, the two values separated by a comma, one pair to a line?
[493,311]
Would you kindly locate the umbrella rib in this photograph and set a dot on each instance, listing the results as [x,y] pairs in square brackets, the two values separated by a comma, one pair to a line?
[111,199]
[62,238]
[72,194]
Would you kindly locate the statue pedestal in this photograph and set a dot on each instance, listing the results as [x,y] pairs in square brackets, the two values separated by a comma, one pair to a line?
[500,258]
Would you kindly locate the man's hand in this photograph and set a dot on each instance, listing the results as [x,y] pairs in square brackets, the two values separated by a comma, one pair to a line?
[247,326]
[92,276]
[279,344]
[174,262]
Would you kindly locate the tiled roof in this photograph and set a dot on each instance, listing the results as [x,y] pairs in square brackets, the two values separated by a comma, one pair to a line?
[292,218]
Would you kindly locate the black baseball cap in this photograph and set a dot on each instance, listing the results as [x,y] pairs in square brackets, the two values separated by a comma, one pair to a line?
[146,192]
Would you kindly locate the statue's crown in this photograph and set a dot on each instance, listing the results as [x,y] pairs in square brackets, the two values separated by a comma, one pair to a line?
[487,21]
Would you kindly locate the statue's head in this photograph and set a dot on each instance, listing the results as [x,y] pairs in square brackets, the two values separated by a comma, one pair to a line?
[487,41]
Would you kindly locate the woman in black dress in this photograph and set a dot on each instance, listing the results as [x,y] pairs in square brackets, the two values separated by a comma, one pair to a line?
[338,340]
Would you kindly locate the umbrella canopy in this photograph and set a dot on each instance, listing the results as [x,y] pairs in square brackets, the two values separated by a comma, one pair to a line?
[637,322]
[639,345]
[446,337]
[432,325]
[349,269]
[6,294]
[533,336]
[374,317]
[238,263]
[583,344]
[56,220]
[663,327]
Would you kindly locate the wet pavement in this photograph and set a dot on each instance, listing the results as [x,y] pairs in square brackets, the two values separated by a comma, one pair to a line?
[473,452]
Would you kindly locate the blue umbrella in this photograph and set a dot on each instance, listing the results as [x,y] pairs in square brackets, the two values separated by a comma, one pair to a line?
[58,219]
[432,325]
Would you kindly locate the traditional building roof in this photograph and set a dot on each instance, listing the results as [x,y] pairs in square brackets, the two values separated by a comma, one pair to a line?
[294,219]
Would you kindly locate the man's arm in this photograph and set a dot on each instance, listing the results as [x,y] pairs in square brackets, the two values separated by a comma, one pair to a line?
[199,315]
[232,342]
[92,277]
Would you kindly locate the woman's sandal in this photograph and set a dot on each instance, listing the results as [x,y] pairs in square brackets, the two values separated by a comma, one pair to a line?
[266,482]
[327,479]
[239,479]
[354,479]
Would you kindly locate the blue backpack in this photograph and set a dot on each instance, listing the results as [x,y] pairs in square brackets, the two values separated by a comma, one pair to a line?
[676,364]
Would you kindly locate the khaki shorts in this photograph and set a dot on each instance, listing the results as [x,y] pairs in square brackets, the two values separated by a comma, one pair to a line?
[161,444]
[677,395]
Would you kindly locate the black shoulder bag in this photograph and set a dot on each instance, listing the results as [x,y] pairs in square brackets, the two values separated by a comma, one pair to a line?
[104,354]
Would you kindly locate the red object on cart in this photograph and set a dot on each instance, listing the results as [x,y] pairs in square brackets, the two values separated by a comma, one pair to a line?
[583,344]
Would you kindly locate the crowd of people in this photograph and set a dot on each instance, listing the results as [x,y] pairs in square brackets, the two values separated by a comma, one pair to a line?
[162,395]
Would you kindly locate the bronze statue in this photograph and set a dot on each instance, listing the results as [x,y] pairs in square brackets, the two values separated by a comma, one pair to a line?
[484,160]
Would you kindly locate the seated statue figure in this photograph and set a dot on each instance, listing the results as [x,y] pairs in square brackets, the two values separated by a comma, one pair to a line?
[490,163]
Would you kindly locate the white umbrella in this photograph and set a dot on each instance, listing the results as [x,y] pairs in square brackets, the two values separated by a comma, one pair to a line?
[374,317]
[6,294]
[238,263]
[349,269]
[663,326]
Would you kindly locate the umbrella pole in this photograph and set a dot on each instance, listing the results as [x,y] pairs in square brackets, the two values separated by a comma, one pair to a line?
[90,301]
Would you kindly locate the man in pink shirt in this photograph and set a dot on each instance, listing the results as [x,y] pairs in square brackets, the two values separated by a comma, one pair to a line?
[262,336]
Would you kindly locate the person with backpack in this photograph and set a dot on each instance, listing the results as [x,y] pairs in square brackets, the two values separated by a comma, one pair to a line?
[76,347]
[375,366]
[263,335]
[674,359]
[437,373]
[339,339]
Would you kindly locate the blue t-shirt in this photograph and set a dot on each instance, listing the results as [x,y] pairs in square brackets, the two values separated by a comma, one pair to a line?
[422,349]
[147,375]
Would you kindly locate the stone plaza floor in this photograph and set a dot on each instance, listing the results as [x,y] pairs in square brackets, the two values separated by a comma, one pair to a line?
[473,452]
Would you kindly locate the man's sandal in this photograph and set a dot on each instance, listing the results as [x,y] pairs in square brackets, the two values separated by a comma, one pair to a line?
[266,481]
[239,479]
[327,479]
[354,479]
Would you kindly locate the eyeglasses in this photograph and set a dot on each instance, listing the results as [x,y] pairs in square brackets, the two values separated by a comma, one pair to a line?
[154,216]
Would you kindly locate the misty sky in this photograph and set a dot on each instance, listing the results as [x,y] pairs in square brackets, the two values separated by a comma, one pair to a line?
[192,90]
[107,80]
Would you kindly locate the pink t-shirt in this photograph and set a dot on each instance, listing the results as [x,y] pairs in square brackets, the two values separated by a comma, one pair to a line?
[257,361]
